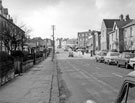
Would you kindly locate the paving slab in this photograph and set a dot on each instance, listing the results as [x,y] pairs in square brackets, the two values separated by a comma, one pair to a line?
[32,87]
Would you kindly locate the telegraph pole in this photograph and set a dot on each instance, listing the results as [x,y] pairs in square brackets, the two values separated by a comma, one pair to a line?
[53,53]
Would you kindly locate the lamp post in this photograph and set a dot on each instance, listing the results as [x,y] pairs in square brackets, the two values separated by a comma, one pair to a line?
[53,53]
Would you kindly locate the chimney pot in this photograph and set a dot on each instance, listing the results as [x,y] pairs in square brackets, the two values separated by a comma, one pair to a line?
[121,17]
[127,17]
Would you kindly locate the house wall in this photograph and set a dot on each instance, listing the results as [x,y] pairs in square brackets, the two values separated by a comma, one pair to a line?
[103,36]
[121,40]
[9,25]
[116,40]
[90,43]
[129,38]
[83,39]
[97,41]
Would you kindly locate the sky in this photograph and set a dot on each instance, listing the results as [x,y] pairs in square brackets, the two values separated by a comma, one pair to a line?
[68,16]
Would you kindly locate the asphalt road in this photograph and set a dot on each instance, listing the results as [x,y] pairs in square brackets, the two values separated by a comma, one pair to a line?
[88,80]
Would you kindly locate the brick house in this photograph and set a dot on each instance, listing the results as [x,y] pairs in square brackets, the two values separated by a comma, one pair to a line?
[106,27]
[8,25]
[129,36]
[83,38]
[116,35]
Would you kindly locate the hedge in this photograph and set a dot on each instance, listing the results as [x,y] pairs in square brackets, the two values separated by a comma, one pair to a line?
[6,63]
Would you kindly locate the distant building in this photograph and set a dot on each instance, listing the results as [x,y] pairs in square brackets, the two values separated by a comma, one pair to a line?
[68,42]
[83,38]
[97,35]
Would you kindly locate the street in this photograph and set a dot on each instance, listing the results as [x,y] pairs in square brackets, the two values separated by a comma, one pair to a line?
[88,80]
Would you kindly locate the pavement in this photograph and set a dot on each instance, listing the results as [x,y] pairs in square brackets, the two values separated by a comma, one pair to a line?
[38,85]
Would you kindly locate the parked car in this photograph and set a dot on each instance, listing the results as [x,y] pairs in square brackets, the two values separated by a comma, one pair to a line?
[111,57]
[127,91]
[70,54]
[100,56]
[132,63]
[124,58]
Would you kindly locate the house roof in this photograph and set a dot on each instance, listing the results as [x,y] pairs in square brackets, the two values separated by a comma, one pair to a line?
[129,24]
[122,23]
[109,22]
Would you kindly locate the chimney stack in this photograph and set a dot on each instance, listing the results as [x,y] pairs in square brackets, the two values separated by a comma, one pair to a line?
[1,6]
[127,17]
[121,17]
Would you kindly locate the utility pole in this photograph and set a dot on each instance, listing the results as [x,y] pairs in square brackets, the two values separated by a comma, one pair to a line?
[53,53]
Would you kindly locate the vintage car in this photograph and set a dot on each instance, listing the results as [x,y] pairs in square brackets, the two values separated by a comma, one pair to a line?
[132,63]
[100,56]
[127,91]
[124,58]
[111,57]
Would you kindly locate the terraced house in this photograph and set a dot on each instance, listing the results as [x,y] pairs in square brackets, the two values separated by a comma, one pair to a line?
[11,36]
[107,26]
[129,36]
[116,36]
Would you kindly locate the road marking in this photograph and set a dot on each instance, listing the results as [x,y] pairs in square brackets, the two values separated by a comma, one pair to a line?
[98,68]
[88,75]
[117,75]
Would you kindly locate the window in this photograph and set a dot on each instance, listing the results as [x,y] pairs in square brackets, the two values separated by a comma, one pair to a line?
[112,36]
[116,35]
[131,93]
[131,34]
[123,95]
[125,34]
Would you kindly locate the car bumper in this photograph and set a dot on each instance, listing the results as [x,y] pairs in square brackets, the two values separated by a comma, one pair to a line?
[112,61]
[131,64]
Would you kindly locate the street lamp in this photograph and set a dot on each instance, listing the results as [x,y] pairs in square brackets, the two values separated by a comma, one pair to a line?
[53,28]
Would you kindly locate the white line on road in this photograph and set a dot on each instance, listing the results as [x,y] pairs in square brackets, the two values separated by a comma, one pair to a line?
[98,68]
[88,75]
[117,75]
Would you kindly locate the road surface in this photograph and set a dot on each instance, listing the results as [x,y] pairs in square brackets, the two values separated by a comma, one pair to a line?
[88,80]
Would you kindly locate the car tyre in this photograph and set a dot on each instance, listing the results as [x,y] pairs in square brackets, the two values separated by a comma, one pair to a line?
[127,66]
[118,64]
[108,63]
[134,67]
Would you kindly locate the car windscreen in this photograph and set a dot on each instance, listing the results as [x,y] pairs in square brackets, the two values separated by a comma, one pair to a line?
[129,55]
[114,54]
[103,54]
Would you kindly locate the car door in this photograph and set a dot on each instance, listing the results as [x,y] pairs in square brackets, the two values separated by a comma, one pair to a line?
[120,59]
[127,93]
[122,97]
[123,60]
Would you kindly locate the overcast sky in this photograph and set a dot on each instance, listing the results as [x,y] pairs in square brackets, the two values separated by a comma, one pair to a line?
[69,16]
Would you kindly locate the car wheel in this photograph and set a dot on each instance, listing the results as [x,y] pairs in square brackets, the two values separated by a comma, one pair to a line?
[108,63]
[118,64]
[127,66]
[134,67]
